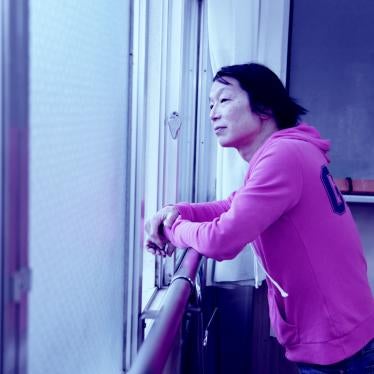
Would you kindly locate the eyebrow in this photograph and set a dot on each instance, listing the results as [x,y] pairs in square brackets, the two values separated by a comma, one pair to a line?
[218,93]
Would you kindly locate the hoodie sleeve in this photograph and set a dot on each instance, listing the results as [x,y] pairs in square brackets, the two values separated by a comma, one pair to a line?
[273,187]
[203,212]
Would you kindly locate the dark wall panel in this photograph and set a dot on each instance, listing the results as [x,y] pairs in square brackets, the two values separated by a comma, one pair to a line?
[331,72]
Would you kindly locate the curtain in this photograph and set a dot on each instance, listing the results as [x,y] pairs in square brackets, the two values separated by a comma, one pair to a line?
[241,31]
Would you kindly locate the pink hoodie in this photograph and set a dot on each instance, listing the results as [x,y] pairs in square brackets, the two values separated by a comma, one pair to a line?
[320,302]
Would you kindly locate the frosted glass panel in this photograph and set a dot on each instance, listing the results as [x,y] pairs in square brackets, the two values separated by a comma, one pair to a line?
[79,67]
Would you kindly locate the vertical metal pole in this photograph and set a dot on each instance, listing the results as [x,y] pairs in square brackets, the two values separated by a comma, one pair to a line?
[138,48]
[14,178]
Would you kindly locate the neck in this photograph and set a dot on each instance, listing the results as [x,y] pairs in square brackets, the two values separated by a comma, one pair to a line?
[268,127]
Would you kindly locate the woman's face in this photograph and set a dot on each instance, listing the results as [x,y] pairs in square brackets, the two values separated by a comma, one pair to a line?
[234,123]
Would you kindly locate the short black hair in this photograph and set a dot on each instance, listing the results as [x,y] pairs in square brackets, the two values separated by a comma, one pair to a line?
[266,92]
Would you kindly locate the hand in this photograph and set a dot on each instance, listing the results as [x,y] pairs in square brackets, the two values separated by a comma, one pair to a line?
[156,242]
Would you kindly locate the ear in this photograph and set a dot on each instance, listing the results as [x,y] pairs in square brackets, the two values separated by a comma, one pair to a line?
[263,112]
[265,116]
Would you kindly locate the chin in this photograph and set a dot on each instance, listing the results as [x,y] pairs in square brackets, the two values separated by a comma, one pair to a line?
[226,143]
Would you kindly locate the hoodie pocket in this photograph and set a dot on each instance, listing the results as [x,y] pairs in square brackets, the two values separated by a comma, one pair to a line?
[286,333]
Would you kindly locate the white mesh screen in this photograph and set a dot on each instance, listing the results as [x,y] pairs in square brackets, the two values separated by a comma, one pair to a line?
[79,63]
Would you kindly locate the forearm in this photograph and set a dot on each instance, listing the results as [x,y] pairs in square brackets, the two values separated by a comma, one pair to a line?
[202,212]
[221,238]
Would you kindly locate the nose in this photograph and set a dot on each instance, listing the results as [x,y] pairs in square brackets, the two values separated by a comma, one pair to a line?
[214,115]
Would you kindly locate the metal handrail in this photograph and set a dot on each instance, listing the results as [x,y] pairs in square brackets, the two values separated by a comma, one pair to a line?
[154,352]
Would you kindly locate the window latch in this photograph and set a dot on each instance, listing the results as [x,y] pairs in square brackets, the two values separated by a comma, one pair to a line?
[20,283]
[174,122]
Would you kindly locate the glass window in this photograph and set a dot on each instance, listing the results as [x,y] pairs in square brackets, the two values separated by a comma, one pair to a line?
[170,118]
[331,72]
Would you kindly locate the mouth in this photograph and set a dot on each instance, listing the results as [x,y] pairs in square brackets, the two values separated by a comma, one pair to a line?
[219,129]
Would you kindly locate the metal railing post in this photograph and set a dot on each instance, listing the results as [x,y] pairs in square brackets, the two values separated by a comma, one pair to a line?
[154,352]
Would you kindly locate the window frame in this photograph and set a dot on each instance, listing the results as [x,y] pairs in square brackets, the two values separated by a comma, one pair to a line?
[173,181]
[15,272]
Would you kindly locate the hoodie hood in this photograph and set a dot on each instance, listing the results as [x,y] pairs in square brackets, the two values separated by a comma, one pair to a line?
[306,133]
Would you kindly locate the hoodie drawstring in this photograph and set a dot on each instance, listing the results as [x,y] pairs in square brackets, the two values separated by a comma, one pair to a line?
[276,284]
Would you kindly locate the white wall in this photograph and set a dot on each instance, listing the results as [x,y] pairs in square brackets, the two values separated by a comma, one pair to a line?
[79,69]
[364,217]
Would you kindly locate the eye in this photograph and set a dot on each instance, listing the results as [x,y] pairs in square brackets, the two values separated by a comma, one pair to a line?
[224,99]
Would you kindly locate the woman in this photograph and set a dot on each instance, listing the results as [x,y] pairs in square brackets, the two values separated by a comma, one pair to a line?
[320,302]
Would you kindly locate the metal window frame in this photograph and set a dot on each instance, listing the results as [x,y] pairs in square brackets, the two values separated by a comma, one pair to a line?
[175,63]
[135,192]
[14,179]
[163,177]
[140,74]
[206,143]
[187,145]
